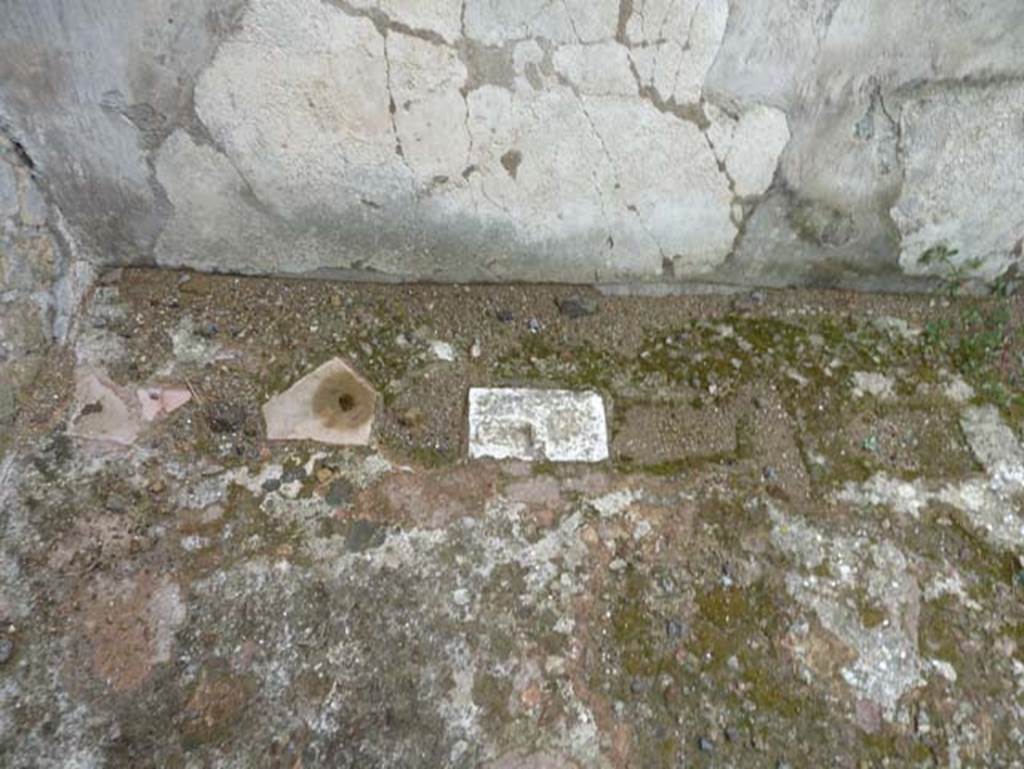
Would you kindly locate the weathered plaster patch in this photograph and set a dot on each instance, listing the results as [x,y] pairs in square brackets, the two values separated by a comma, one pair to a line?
[873,383]
[887,665]
[757,142]
[674,44]
[443,17]
[992,441]
[991,503]
[951,142]
[299,98]
[329,113]
[642,143]
[562,21]
[904,497]
[210,210]
[430,112]
[601,69]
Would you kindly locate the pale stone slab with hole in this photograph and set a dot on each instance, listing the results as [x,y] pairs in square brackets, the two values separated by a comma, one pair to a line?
[332,404]
[530,424]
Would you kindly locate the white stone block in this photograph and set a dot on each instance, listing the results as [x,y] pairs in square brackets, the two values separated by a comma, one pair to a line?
[529,424]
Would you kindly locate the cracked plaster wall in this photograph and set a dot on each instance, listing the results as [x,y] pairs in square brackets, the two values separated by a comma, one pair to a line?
[829,142]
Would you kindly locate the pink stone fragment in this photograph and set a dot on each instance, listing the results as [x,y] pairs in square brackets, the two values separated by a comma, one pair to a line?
[160,401]
[100,411]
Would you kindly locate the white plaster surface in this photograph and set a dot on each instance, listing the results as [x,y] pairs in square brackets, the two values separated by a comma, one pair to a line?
[568,140]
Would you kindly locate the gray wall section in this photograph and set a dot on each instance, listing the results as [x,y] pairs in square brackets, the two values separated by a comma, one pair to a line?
[40,280]
[802,141]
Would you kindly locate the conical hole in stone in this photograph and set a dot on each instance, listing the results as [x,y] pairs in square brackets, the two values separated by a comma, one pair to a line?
[342,402]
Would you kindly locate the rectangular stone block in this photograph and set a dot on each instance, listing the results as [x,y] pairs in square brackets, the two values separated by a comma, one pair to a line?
[531,424]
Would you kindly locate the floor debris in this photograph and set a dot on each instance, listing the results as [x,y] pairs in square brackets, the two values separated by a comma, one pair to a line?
[442,351]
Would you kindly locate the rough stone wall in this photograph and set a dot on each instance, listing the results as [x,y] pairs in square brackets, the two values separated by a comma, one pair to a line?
[802,141]
[36,278]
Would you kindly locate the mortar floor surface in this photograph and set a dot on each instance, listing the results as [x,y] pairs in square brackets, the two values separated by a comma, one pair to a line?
[803,551]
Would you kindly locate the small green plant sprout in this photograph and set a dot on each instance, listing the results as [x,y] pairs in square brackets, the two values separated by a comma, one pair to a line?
[979,336]
[952,275]
[938,254]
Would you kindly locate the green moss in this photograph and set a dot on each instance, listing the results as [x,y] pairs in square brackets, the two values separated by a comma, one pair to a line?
[769,691]
[634,631]
[250,523]
[672,467]
[729,617]
[888,745]
[580,366]
[871,616]
[429,457]
[492,693]
[937,629]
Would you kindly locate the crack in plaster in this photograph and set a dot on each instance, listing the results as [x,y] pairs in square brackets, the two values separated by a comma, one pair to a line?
[392,109]
[384,23]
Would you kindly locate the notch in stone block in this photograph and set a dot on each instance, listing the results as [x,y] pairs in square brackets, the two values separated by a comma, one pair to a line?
[531,424]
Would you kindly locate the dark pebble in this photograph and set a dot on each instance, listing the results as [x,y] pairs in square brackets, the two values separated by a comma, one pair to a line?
[225,416]
[339,493]
[271,484]
[363,535]
[705,745]
[117,504]
[295,473]
[577,306]
[6,649]
[505,316]
[674,628]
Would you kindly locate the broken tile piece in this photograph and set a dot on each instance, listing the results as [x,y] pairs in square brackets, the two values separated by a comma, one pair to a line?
[99,412]
[333,404]
[158,401]
[521,423]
